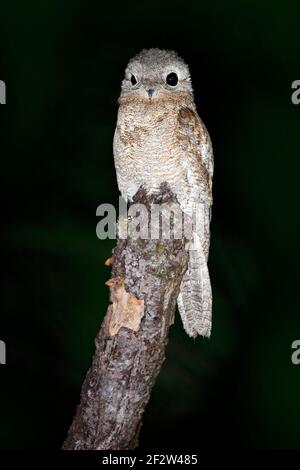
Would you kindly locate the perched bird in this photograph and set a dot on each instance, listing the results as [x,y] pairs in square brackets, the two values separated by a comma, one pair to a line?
[160,138]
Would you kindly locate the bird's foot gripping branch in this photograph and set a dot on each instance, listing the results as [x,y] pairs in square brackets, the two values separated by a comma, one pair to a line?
[130,347]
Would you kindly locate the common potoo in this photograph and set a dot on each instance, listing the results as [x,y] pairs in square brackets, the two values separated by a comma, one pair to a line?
[160,138]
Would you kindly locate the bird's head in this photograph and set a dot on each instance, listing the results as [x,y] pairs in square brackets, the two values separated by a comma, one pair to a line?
[156,75]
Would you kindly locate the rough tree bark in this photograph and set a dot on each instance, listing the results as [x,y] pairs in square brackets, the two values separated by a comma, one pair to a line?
[130,347]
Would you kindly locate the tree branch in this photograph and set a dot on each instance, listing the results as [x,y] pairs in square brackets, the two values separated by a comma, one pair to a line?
[130,347]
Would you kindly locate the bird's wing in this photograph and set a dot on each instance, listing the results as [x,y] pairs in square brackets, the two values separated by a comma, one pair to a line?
[199,163]
[195,298]
[195,141]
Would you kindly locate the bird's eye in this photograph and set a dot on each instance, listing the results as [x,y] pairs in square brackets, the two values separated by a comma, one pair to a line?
[172,79]
[133,80]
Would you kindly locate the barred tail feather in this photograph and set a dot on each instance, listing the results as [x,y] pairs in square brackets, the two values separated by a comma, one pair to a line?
[195,298]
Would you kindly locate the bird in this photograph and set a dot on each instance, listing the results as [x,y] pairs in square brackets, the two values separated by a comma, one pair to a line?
[160,138]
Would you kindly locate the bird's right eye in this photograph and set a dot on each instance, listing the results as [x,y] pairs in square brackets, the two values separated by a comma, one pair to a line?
[133,80]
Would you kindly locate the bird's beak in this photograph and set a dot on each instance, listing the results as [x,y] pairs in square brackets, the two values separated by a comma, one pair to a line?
[150,92]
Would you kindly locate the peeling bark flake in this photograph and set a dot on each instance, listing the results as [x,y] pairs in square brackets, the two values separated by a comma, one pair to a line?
[126,310]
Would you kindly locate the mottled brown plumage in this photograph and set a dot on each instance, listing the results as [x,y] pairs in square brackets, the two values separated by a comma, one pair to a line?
[160,138]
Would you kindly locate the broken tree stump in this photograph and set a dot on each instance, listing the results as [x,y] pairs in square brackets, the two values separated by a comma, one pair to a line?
[130,347]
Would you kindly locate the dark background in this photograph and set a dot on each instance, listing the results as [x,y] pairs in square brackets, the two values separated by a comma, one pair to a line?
[63,63]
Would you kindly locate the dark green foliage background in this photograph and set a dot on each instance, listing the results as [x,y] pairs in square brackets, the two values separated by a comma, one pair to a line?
[63,63]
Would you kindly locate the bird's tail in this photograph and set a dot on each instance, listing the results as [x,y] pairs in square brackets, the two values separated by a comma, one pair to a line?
[195,298]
